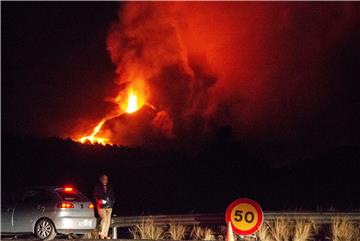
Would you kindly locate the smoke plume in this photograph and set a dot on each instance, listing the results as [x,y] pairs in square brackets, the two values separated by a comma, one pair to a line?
[257,67]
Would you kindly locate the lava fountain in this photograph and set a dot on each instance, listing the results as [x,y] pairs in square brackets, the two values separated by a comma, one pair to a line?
[132,104]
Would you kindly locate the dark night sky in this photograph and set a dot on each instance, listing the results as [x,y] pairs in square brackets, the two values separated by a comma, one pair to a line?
[55,64]
[56,73]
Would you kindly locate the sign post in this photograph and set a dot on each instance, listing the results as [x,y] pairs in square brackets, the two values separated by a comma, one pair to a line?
[245,216]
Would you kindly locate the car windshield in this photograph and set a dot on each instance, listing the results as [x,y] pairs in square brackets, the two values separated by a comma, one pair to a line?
[72,196]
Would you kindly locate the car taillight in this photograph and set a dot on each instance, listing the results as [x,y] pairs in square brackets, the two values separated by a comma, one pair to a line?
[68,189]
[65,205]
[91,205]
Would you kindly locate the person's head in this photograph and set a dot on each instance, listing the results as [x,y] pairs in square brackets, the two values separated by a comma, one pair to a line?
[104,179]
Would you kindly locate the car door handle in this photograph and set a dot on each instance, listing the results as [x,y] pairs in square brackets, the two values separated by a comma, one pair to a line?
[41,208]
[10,209]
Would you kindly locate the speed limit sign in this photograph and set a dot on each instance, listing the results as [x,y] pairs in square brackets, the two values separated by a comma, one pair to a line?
[245,216]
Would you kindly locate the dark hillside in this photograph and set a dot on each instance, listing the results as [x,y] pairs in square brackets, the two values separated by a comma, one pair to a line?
[205,179]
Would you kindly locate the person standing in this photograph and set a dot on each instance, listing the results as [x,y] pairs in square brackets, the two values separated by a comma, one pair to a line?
[105,199]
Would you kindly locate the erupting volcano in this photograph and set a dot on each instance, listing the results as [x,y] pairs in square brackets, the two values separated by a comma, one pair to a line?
[133,103]
[188,71]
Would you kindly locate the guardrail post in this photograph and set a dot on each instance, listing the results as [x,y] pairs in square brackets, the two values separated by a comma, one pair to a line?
[114,232]
[114,228]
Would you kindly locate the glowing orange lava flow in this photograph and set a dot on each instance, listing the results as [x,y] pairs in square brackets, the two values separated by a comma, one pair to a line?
[94,139]
[133,103]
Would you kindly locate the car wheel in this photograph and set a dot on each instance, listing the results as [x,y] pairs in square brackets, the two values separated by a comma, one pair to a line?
[45,230]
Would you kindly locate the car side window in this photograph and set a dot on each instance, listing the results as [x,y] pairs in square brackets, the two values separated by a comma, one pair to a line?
[11,197]
[31,196]
[6,198]
[48,196]
[37,196]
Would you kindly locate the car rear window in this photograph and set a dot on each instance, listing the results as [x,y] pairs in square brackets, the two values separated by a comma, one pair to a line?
[72,196]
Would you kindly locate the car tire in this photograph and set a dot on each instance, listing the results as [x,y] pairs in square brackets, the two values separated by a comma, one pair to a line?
[45,229]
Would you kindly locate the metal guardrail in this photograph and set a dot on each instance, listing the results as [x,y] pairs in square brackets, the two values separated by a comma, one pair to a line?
[219,218]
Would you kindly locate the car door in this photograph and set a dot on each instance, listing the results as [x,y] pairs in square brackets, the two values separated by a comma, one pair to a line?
[27,211]
[7,211]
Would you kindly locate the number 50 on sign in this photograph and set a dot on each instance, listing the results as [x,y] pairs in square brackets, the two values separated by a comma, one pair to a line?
[245,216]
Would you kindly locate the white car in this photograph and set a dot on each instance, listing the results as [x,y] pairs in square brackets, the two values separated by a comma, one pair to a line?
[46,212]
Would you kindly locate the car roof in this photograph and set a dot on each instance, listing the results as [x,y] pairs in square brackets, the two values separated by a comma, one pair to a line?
[46,188]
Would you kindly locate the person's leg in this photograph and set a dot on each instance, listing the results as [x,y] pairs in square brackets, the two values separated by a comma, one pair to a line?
[108,221]
[105,233]
[102,215]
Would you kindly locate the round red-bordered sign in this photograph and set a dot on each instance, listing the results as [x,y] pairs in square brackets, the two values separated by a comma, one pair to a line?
[245,216]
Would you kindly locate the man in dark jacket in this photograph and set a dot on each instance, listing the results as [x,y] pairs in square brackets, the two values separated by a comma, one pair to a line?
[105,199]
